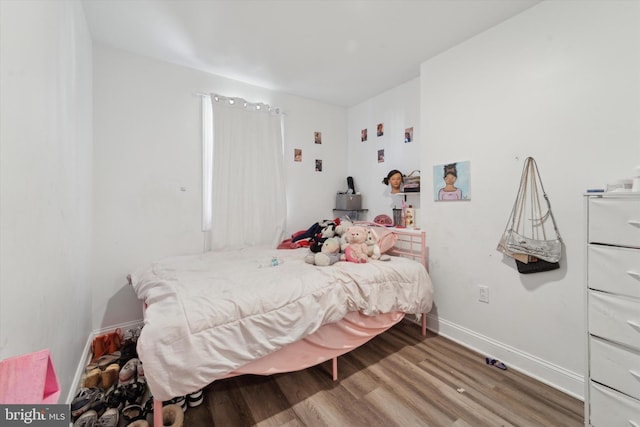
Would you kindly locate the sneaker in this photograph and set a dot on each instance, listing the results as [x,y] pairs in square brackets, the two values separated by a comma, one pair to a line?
[180,401]
[128,372]
[83,401]
[195,399]
[87,419]
[110,418]
[132,334]
[128,352]
[99,404]
[140,371]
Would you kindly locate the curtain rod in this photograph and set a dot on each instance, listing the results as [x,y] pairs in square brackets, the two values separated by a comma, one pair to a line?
[232,100]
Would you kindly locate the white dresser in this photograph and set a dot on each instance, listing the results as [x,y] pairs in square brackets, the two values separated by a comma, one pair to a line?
[612,395]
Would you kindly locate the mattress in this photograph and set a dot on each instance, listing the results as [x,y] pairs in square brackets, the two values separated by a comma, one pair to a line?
[209,314]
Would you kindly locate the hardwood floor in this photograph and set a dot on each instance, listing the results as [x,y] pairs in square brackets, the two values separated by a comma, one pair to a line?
[399,378]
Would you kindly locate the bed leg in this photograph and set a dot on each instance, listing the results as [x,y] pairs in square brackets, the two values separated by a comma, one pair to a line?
[157,413]
[335,369]
[424,324]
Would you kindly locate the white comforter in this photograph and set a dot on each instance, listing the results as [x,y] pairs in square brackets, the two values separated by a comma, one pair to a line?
[211,313]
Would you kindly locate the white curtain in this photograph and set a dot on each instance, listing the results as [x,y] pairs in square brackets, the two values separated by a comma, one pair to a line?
[248,202]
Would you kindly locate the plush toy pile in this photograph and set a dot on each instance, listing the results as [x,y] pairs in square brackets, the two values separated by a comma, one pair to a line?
[330,241]
[314,236]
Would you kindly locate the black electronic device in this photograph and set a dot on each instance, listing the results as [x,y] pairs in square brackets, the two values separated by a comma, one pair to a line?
[351,188]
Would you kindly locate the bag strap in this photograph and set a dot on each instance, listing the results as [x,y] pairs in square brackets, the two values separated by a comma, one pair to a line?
[535,205]
[518,205]
[546,198]
[531,175]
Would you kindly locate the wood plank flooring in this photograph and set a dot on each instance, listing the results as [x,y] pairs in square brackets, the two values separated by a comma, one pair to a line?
[399,378]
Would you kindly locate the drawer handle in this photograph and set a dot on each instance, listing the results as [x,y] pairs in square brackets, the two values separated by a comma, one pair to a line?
[634,274]
[635,374]
[634,222]
[633,423]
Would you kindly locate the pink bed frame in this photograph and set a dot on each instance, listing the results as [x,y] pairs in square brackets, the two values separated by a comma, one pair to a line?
[335,339]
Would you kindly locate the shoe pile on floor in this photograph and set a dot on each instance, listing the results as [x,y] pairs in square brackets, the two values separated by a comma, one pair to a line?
[114,390]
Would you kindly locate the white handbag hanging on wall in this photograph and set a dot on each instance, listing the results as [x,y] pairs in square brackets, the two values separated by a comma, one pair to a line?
[525,236]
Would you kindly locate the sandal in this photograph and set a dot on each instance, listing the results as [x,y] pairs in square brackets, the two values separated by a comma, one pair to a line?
[133,413]
[116,397]
[134,392]
[108,359]
[92,378]
[494,362]
[110,376]
[172,416]
[179,401]
[195,399]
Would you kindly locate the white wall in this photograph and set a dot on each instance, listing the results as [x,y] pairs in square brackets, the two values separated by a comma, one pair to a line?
[559,82]
[398,109]
[147,132]
[45,182]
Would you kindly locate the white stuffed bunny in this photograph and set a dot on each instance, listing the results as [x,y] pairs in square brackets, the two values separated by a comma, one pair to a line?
[373,249]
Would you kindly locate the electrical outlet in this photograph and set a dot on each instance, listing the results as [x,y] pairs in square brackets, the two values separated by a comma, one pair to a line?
[483,293]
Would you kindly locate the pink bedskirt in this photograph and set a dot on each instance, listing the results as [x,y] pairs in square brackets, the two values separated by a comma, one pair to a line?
[331,340]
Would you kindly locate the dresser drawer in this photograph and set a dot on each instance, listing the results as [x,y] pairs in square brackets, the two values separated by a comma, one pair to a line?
[614,317]
[615,221]
[615,366]
[613,269]
[609,408]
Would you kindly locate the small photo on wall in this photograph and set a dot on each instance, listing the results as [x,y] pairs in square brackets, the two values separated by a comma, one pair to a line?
[297,154]
[408,135]
[317,137]
[380,156]
[451,181]
[380,129]
[318,165]
[363,135]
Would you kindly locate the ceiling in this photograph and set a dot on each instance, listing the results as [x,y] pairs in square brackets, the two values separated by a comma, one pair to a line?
[338,52]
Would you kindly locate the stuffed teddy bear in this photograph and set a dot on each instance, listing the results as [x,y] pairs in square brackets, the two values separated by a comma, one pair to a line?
[341,230]
[356,249]
[329,254]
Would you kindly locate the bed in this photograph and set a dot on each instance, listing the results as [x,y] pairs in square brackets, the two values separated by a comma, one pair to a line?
[215,315]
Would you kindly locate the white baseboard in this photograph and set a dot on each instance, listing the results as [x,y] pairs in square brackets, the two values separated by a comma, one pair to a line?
[546,372]
[86,355]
